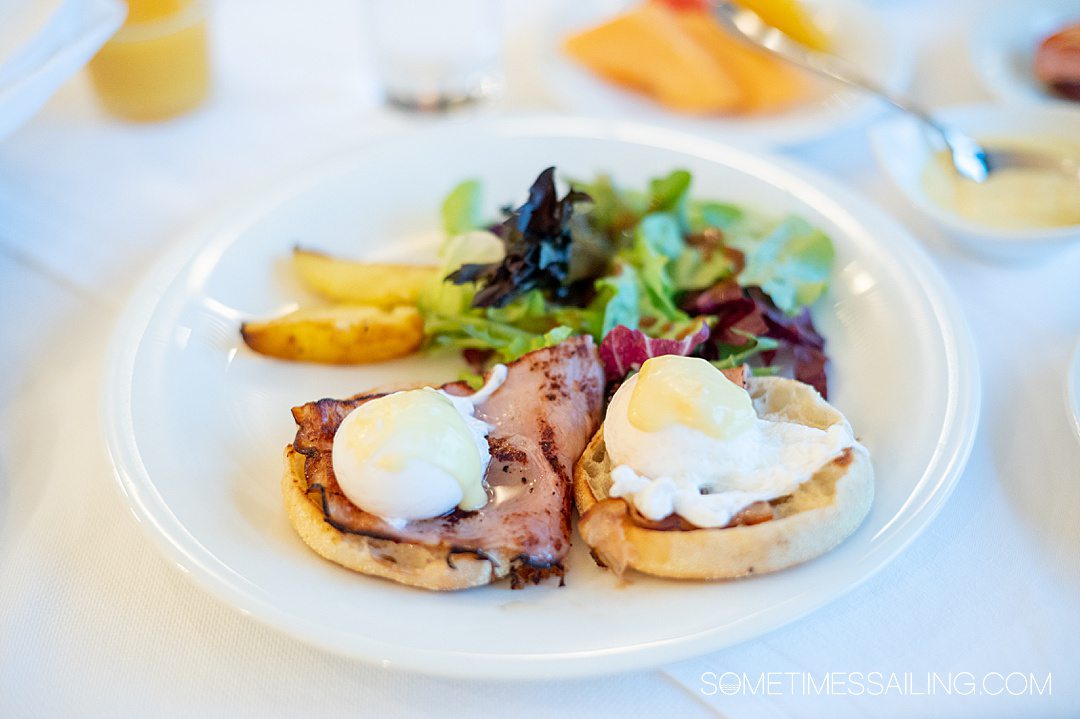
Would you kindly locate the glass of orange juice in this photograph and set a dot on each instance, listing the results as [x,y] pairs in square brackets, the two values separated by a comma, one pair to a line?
[157,65]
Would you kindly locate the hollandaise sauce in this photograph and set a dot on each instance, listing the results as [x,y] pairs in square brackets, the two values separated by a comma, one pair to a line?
[157,66]
[681,391]
[1010,198]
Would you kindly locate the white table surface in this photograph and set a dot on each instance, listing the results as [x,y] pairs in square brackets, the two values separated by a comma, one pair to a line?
[94,623]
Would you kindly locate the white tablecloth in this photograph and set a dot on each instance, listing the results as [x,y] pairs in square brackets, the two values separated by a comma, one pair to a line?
[94,623]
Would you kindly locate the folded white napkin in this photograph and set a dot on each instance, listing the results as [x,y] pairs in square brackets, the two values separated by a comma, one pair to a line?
[43,44]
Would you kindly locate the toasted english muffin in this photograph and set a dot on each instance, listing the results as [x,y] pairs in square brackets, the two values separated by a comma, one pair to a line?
[419,565]
[542,417]
[819,515]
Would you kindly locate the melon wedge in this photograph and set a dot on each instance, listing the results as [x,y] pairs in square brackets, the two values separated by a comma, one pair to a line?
[767,83]
[646,49]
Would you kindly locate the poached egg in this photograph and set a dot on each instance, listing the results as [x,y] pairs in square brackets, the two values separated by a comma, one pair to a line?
[684,439]
[415,454]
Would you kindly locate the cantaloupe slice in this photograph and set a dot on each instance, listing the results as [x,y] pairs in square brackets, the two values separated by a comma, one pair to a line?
[647,49]
[768,84]
[790,18]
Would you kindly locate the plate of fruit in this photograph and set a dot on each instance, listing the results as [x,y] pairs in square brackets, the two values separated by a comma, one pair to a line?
[671,63]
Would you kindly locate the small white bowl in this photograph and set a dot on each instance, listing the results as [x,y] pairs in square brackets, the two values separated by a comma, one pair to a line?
[903,150]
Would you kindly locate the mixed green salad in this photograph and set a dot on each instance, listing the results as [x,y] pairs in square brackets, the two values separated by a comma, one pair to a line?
[645,271]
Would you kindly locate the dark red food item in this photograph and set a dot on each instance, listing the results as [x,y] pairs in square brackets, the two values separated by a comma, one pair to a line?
[537,238]
[1057,62]
[687,4]
[740,311]
[734,311]
[802,349]
[624,349]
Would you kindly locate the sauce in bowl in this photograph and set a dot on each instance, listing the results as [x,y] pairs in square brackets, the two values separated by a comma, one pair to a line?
[1014,199]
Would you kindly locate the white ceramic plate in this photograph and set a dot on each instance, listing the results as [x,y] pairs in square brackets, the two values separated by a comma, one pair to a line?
[1003,43]
[858,35]
[902,152]
[1072,388]
[196,423]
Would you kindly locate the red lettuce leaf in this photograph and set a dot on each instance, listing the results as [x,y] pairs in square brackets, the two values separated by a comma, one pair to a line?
[744,313]
[624,349]
[801,353]
[737,315]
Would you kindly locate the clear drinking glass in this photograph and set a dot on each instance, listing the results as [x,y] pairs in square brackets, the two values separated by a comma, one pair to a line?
[436,54]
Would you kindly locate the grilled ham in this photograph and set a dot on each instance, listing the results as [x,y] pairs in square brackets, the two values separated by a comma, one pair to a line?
[542,417]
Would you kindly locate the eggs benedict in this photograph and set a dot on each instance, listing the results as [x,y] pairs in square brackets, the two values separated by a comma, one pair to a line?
[700,473]
[445,488]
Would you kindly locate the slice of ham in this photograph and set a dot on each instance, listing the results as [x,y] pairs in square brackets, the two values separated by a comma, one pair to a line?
[542,416]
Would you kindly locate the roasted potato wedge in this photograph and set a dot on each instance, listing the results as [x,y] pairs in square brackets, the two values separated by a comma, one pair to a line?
[363,283]
[338,334]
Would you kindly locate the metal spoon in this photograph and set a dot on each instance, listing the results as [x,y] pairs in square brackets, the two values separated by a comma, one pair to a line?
[970,159]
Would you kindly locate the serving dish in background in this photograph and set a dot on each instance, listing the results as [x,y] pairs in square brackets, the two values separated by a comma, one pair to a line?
[857,33]
[903,150]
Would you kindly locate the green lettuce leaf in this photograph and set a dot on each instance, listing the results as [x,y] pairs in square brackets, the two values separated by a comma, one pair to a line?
[661,232]
[529,312]
[445,298]
[656,289]
[735,355]
[522,345]
[669,193]
[462,209]
[703,214]
[791,263]
[614,211]
[692,271]
[620,299]
[477,332]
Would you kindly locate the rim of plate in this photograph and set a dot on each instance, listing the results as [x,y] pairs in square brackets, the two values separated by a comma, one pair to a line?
[223,582]
[1072,388]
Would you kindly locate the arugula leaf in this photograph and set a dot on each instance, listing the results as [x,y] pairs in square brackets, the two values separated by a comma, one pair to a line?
[792,264]
[461,210]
